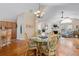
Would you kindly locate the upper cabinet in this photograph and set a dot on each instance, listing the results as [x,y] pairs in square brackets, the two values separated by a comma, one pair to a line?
[7,24]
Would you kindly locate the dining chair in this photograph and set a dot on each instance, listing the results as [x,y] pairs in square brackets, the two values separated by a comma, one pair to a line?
[0,40]
[44,49]
[9,33]
[31,47]
[3,38]
[32,50]
[52,43]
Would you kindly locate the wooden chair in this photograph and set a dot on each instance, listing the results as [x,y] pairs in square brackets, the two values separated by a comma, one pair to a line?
[0,40]
[52,43]
[9,33]
[49,48]
[31,48]
[44,49]
[3,38]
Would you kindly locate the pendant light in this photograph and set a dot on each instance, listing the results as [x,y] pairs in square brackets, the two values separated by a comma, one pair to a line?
[65,19]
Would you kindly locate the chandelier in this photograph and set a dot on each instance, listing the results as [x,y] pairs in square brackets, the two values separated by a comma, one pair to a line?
[39,12]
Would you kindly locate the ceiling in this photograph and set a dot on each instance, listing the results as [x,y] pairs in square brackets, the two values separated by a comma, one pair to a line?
[52,14]
[11,10]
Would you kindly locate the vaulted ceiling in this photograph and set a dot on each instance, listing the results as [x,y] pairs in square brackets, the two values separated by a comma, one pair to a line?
[52,14]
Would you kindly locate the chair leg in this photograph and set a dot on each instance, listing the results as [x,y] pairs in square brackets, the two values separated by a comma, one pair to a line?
[0,43]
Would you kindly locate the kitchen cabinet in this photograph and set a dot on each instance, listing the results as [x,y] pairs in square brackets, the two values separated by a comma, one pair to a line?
[9,25]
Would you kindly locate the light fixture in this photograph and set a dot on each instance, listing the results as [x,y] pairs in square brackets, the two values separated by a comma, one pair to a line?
[65,19]
[62,12]
[39,13]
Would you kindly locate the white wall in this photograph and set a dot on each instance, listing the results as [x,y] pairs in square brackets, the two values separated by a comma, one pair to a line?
[26,20]
[20,22]
[11,10]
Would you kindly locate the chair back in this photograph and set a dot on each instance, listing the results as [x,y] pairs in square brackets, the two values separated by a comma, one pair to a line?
[52,42]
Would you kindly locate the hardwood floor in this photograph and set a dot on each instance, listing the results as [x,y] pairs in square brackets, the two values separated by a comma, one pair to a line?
[65,47]
[15,49]
[68,47]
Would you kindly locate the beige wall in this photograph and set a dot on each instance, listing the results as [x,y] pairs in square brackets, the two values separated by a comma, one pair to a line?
[30,24]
